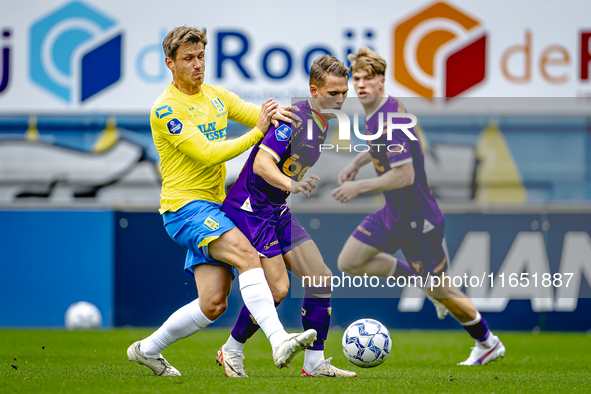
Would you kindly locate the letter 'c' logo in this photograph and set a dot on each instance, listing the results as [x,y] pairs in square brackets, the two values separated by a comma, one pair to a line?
[439,52]
[75,52]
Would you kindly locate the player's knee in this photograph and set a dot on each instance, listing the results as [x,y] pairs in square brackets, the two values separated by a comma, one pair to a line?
[280,291]
[345,264]
[250,257]
[247,257]
[213,306]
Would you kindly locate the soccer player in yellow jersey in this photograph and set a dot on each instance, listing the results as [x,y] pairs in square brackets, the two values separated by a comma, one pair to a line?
[189,123]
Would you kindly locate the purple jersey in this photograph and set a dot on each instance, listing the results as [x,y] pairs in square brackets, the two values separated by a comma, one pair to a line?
[411,210]
[294,154]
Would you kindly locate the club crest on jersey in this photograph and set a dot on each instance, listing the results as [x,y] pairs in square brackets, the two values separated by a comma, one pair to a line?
[217,104]
[163,111]
[283,132]
[211,223]
[174,126]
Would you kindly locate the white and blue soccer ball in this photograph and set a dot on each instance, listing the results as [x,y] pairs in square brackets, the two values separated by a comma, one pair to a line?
[367,343]
[83,316]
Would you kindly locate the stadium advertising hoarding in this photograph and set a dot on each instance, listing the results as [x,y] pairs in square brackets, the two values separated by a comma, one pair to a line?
[91,56]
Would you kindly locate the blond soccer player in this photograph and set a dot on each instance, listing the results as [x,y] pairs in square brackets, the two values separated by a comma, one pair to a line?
[410,220]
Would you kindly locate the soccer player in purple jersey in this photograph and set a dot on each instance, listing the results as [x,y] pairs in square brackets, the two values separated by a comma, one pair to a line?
[256,204]
[410,220]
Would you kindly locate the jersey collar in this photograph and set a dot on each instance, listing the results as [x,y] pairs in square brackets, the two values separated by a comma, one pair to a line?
[318,118]
[384,100]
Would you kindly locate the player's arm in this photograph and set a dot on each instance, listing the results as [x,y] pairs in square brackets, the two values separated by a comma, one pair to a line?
[395,178]
[200,149]
[265,166]
[350,171]
[246,114]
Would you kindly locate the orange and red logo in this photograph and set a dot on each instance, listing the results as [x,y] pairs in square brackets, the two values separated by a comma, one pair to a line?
[439,52]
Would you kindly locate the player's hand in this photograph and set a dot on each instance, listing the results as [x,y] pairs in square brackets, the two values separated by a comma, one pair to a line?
[348,173]
[346,192]
[305,186]
[285,113]
[268,109]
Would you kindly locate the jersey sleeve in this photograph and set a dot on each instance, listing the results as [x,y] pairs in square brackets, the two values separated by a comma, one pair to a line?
[174,125]
[398,150]
[277,141]
[240,111]
[176,128]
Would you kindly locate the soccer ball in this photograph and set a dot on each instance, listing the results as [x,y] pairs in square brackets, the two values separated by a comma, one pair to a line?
[83,316]
[367,343]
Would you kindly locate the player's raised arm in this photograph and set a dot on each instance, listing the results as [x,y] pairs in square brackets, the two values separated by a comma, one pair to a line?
[199,148]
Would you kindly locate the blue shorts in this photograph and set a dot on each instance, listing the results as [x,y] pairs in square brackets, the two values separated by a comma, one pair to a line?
[271,233]
[193,227]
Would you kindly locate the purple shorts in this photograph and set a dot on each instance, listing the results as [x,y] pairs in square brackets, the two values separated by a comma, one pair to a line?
[272,233]
[424,252]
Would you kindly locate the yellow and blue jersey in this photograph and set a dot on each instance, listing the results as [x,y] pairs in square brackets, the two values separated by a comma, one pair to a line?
[176,117]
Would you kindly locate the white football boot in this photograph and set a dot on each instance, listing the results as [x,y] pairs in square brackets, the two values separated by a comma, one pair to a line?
[232,363]
[482,355]
[285,353]
[159,365]
[326,370]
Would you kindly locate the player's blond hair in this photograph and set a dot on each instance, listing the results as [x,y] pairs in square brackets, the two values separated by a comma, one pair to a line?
[368,60]
[180,36]
[326,65]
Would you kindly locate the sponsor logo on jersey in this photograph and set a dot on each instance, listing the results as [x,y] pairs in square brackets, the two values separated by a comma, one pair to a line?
[196,111]
[271,244]
[210,131]
[427,226]
[174,126]
[211,223]
[283,132]
[218,105]
[163,111]
[247,206]
[216,134]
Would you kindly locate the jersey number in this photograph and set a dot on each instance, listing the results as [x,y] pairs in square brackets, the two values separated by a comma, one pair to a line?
[376,164]
[292,168]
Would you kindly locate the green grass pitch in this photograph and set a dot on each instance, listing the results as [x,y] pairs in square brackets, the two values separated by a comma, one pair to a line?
[422,361]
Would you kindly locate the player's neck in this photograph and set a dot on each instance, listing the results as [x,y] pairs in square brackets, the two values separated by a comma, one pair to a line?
[187,89]
[370,107]
[314,105]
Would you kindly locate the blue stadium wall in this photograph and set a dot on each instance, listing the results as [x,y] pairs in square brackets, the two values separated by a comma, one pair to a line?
[125,263]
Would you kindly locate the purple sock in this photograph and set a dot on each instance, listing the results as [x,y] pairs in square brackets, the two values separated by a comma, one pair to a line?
[478,331]
[316,313]
[245,325]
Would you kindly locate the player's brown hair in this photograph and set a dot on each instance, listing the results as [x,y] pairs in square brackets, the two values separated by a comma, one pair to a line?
[327,65]
[182,35]
[367,60]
